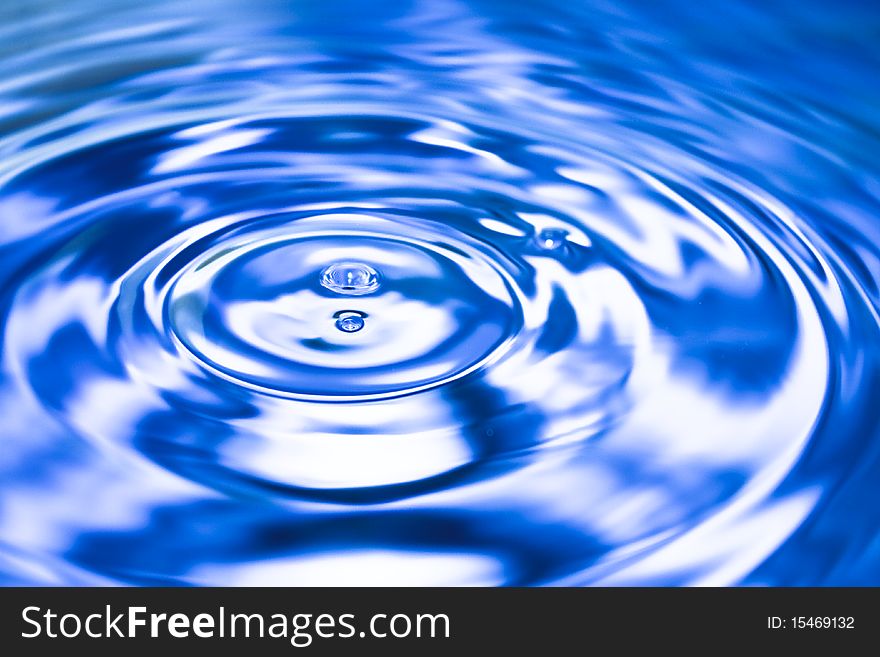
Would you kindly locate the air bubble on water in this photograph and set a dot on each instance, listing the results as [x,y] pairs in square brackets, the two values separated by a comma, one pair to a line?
[351,278]
[350,323]
[551,239]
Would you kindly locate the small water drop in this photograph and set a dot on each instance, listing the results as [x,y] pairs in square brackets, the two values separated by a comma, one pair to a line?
[551,239]
[350,278]
[350,323]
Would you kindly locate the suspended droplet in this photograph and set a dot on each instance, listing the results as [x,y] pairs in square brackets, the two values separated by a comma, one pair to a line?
[350,323]
[550,239]
[350,278]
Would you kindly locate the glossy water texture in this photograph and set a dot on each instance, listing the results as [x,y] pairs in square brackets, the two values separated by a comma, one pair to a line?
[439,292]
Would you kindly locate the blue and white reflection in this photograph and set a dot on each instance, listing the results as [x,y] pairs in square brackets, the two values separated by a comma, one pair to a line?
[439,293]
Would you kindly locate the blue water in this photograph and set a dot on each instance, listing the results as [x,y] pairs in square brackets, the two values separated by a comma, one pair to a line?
[439,292]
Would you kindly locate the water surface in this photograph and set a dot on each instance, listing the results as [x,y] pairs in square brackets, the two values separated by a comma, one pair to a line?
[468,293]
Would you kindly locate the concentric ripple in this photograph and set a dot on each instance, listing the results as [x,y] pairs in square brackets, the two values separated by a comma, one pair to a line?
[263,307]
[461,294]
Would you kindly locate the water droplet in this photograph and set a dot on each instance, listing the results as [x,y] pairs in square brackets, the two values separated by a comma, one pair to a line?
[351,278]
[550,239]
[350,323]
